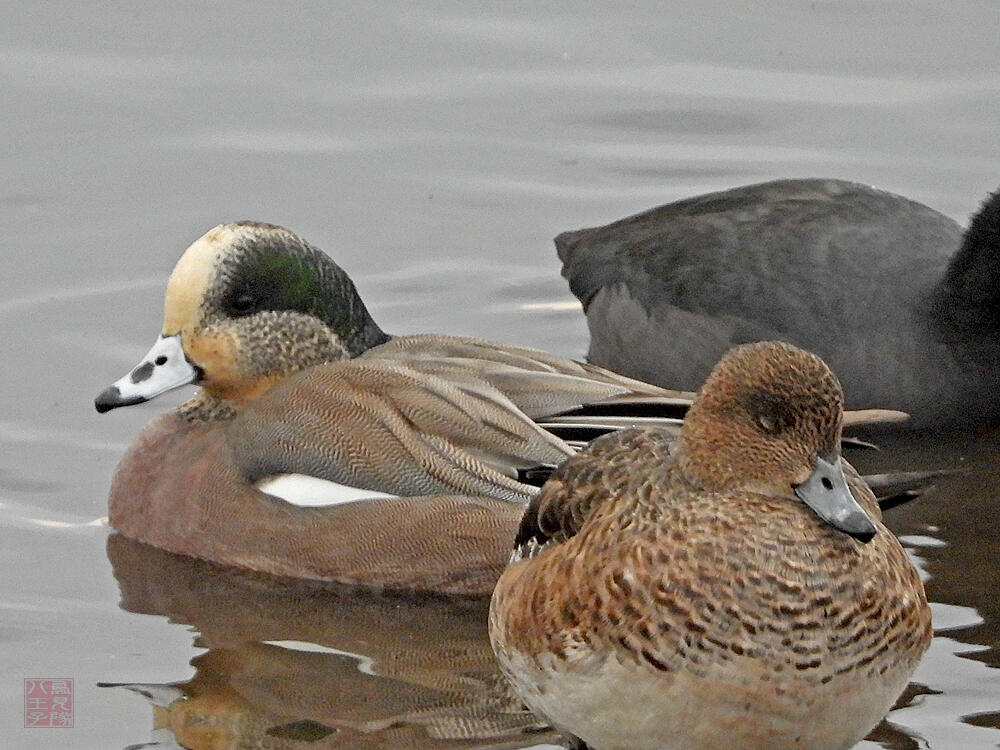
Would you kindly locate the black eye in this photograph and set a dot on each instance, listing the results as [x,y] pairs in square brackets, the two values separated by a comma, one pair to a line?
[773,418]
[769,412]
[243,303]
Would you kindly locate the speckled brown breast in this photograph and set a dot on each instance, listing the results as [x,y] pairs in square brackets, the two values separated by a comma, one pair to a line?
[753,596]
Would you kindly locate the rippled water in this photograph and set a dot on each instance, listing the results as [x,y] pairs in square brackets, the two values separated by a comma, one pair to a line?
[433,149]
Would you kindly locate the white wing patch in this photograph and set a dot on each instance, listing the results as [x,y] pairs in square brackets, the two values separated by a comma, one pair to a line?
[366,665]
[310,492]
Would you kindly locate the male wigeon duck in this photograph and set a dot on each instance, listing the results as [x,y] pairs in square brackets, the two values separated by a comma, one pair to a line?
[321,447]
[733,588]
[899,301]
[418,450]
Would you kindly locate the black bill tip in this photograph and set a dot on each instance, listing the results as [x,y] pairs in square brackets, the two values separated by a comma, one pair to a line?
[111,398]
[864,536]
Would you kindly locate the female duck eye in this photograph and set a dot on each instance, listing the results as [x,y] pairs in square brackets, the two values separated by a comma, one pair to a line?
[767,424]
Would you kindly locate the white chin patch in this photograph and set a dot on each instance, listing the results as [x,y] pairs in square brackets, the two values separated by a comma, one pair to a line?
[312,492]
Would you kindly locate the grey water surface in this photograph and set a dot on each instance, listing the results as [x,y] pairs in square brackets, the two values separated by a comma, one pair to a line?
[433,149]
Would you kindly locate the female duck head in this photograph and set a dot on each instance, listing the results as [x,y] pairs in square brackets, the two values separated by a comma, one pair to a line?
[768,420]
[246,305]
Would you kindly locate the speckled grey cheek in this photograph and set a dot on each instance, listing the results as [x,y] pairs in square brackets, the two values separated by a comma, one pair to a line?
[282,342]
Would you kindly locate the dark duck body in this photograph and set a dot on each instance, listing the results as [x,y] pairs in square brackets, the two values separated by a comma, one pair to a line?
[901,302]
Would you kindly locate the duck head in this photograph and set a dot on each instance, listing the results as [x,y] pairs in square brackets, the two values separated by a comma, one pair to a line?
[966,304]
[768,420]
[246,305]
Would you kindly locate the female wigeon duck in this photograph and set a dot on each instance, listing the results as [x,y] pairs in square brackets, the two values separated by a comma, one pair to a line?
[414,454]
[892,294]
[733,588]
[416,451]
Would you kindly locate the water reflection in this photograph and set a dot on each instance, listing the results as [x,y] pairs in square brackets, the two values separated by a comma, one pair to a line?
[299,664]
[954,541]
[292,663]
[435,148]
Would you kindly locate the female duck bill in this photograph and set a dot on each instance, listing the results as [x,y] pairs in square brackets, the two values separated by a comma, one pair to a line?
[827,494]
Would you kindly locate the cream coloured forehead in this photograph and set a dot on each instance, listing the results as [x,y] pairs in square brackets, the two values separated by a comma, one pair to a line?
[192,276]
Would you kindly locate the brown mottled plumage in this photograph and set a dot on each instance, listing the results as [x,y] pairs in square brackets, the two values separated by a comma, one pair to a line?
[679,595]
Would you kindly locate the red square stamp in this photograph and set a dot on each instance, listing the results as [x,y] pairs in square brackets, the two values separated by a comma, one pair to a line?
[48,702]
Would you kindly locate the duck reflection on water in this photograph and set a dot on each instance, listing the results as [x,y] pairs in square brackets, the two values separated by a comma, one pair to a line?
[299,664]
